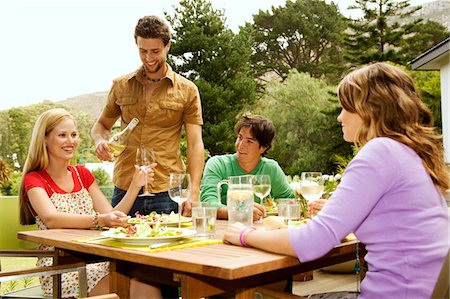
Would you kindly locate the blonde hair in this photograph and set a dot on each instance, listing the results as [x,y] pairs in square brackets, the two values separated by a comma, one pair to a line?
[37,158]
[389,104]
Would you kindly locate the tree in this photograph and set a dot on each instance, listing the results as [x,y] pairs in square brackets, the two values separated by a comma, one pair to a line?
[423,37]
[218,62]
[304,114]
[303,34]
[16,126]
[102,177]
[382,34]
[429,84]
[5,171]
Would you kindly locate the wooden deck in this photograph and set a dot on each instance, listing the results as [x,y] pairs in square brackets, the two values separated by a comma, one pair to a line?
[325,282]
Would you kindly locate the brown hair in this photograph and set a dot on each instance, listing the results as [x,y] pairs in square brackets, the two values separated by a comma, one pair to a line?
[152,27]
[389,104]
[261,128]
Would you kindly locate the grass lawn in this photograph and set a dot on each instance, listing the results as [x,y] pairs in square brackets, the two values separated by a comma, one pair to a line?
[16,263]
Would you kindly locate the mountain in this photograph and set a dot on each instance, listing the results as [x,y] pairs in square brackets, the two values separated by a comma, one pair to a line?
[91,103]
[438,11]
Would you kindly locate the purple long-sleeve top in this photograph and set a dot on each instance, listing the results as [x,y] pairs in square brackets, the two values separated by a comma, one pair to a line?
[387,198]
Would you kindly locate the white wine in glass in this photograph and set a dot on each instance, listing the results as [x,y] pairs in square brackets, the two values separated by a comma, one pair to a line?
[179,190]
[144,158]
[261,188]
[311,185]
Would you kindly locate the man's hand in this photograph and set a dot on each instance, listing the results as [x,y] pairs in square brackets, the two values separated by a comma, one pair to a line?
[315,206]
[258,211]
[102,151]
[187,205]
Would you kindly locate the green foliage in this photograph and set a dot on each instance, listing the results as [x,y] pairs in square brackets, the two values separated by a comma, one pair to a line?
[379,35]
[423,37]
[102,177]
[88,156]
[342,160]
[429,84]
[308,135]
[5,171]
[16,126]
[218,62]
[11,187]
[303,35]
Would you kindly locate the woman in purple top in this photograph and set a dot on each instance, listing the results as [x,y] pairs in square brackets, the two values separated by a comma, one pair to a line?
[391,195]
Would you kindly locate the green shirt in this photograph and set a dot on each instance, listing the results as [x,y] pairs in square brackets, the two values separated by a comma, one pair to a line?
[221,167]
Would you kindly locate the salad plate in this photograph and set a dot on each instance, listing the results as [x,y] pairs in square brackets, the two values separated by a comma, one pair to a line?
[175,235]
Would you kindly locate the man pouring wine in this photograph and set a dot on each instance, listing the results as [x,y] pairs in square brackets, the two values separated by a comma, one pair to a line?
[163,102]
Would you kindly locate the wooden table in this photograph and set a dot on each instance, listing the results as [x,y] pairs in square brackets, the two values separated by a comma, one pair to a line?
[199,271]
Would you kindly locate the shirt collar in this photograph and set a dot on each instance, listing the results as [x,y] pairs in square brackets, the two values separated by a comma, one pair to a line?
[138,74]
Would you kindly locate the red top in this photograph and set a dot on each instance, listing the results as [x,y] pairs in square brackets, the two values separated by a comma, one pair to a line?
[43,180]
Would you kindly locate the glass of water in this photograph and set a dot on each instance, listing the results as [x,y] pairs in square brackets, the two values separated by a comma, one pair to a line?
[204,220]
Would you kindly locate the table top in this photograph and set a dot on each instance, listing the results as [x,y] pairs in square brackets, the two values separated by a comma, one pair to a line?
[219,260]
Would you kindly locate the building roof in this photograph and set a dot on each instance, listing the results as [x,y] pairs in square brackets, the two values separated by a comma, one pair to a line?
[434,58]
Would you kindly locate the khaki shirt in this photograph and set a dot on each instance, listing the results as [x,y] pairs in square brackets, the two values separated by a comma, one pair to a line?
[174,102]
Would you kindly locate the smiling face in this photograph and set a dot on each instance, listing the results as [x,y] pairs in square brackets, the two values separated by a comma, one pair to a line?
[153,55]
[248,149]
[62,141]
[350,122]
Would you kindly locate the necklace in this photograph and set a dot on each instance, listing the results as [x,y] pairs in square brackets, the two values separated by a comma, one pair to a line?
[150,79]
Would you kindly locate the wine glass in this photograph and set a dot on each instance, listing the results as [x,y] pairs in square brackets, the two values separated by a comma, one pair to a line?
[311,185]
[261,188]
[179,190]
[144,158]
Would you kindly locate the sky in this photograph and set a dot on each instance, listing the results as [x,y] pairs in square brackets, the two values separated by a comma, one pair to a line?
[57,49]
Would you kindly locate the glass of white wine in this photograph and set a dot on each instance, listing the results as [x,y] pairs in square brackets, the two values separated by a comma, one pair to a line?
[312,186]
[261,188]
[179,190]
[144,158]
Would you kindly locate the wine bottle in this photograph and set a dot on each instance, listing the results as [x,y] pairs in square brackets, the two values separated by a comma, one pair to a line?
[118,142]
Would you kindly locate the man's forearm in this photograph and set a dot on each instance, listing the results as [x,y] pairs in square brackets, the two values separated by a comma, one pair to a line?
[196,163]
[99,132]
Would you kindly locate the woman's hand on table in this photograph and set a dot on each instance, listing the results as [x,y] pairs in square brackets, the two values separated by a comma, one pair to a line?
[232,234]
[314,207]
[113,219]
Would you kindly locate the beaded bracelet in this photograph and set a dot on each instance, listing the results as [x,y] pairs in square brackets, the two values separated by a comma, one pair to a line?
[243,232]
[95,221]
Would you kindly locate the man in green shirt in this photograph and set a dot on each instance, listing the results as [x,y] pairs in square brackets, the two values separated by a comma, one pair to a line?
[254,138]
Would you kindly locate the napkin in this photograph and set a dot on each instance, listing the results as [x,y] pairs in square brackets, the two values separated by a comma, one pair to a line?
[190,242]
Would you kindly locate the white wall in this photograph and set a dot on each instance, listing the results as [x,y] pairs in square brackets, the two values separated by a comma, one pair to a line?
[445,106]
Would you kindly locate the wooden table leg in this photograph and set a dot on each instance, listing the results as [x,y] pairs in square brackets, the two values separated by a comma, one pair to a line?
[194,288]
[245,293]
[119,283]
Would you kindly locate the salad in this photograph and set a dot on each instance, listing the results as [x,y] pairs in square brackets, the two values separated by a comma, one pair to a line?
[144,230]
[270,205]
[154,218]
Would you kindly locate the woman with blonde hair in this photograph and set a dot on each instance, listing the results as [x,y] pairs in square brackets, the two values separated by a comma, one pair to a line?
[392,190]
[55,194]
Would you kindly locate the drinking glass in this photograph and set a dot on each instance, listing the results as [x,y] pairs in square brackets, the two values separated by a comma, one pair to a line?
[311,185]
[204,220]
[261,188]
[144,158]
[290,210]
[179,190]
